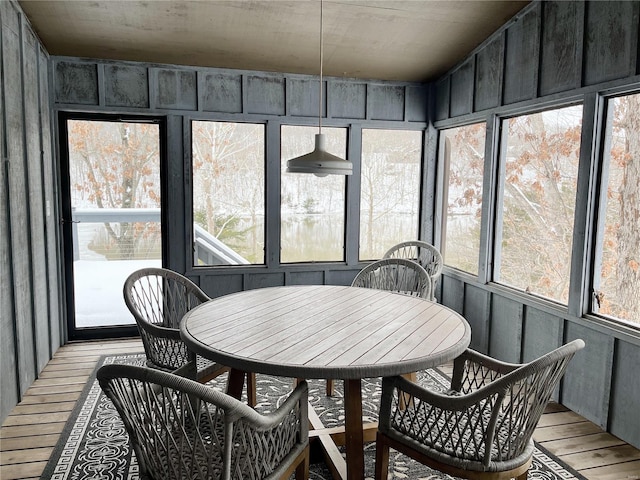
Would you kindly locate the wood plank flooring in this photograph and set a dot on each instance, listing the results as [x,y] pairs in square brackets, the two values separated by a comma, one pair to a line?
[30,432]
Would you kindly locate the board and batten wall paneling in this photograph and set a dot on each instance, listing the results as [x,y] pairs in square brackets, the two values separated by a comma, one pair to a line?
[126,86]
[521,58]
[505,330]
[462,82]
[385,102]
[542,333]
[76,83]
[176,89]
[266,94]
[489,72]
[477,311]
[222,92]
[553,51]
[587,383]
[26,343]
[443,97]
[304,97]
[49,187]
[624,419]
[611,41]
[36,198]
[347,100]
[305,278]
[561,50]
[415,103]
[8,364]
[18,191]
[549,48]
[221,284]
[453,293]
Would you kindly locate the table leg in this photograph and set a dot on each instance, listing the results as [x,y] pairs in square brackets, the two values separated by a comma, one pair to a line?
[354,439]
[235,383]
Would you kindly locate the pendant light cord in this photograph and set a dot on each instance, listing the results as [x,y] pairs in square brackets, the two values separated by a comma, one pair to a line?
[321,58]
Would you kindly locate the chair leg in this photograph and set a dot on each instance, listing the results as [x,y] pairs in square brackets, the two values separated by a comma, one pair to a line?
[524,476]
[330,387]
[302,470]
[382,458]
[251,389]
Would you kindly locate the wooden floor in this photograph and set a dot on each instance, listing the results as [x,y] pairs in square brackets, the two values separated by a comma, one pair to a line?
[30,432]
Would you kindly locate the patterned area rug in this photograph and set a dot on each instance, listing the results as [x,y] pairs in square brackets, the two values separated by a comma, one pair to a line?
[95,445]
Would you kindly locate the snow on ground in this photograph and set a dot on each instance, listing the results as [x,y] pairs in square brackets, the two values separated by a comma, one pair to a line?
[98,291]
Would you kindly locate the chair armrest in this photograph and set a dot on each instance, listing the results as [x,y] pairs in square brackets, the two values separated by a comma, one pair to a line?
[297,401]
[159,330]
[265,442]
[473,370]
[447,426]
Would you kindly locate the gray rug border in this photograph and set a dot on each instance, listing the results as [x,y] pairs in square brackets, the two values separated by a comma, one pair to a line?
[49,468]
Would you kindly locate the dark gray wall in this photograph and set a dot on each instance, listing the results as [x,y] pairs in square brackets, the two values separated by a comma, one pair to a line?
[550,53]
[182,94]
[30,319]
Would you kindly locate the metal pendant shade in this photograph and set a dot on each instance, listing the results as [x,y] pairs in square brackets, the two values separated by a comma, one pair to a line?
[319,161]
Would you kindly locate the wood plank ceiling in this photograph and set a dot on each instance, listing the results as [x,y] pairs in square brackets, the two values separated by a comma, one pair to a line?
[399,40]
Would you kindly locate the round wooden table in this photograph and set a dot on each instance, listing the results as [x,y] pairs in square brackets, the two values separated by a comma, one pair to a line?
[330,332]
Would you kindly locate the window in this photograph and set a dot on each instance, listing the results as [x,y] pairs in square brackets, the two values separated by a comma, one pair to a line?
[617,281]
[390,189]
[228,193]
[462,156]
[534,231]
[312,208]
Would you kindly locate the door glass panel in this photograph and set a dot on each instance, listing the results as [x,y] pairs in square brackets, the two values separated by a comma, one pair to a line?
[114,172]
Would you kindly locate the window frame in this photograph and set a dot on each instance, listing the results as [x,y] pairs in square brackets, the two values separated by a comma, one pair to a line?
[605,117]
[421,187]
[189,191]
[443,191]
[343,260]
[498,202]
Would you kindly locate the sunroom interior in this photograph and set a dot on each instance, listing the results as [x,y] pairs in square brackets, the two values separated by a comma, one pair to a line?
[516,156]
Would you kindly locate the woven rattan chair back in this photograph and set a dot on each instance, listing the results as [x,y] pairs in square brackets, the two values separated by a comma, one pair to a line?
[423,253]
[158,299]
[183,430]
[482,426]
[395,275]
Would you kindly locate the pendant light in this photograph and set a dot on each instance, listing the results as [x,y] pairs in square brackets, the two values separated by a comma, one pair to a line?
[319,161]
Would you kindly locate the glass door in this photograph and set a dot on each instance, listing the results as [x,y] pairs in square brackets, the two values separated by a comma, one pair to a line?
[112,217]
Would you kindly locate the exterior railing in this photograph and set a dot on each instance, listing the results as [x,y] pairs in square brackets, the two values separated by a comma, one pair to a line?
[208,250]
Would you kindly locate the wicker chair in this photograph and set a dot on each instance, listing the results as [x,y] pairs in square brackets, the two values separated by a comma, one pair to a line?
[482,427]
[425,254]
[395,275]
[181,429]
[158,299]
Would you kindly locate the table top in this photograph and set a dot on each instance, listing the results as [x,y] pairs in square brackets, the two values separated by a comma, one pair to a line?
[322,331]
